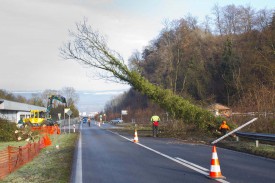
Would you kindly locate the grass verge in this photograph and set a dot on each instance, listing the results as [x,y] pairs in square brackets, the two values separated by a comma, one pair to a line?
[51,165]
[249,146]
[4,145]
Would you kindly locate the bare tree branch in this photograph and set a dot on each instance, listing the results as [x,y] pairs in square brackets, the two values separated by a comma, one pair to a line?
[89,48]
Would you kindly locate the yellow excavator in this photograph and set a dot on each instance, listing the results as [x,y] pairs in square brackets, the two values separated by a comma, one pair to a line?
[38,117]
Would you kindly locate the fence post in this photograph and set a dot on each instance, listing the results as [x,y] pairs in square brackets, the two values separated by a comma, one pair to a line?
[9,161]
[20,158]
[29,151]
[35,148]
[257,143]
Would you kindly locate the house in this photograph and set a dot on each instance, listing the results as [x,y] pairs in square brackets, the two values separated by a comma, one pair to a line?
[220,110]
[13,111]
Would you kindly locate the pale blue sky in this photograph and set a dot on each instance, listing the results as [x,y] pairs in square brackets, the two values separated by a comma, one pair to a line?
[174,9]
[32,31]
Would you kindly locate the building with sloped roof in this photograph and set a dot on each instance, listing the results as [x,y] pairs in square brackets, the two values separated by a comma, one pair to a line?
[13,111]
[220,110]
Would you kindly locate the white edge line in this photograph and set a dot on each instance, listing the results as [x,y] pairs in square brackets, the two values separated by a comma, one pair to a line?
[171,158]
[192,164]
[78,177]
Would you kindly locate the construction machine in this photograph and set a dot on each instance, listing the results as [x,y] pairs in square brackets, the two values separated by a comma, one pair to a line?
[38,117]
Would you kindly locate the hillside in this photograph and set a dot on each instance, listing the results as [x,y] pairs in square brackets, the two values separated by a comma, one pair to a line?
[232,63]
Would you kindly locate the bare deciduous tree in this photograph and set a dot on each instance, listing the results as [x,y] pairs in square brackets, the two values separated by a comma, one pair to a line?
[135,61]
[46,94]
[70,94]
[89,48]
[218,18]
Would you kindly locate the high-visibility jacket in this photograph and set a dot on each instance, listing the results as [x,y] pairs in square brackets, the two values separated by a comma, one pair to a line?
[155,120]
[224,126]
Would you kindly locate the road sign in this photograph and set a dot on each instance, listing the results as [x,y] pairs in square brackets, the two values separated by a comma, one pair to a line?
[66,110]
[69,112]
[124,112]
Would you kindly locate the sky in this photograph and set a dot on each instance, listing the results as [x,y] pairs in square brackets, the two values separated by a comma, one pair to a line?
[32,31]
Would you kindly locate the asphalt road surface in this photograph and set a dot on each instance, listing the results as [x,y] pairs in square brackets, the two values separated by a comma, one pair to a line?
[104,156]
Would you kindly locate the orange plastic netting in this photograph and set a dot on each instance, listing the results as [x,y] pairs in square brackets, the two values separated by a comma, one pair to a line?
[47,129]
[12,158]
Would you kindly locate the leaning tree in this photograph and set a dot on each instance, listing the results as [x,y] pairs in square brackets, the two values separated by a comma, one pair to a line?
[89,48]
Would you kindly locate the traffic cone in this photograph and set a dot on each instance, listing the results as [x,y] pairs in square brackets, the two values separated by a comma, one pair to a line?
[215,170]
[136,137]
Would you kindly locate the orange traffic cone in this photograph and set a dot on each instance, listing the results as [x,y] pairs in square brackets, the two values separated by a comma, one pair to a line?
[136,137]
[215,170]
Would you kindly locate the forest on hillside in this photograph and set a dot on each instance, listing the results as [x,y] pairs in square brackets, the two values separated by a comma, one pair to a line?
[227,59]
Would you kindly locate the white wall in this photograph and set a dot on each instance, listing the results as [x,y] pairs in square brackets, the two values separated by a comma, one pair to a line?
[9,115]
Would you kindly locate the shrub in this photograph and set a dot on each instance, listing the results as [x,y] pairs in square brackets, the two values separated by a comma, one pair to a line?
[7,130]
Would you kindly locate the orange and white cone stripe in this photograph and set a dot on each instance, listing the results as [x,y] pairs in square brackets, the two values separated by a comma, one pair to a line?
[215,170]
[135,137]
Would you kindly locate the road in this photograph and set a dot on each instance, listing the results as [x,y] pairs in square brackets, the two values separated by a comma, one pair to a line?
[104,156]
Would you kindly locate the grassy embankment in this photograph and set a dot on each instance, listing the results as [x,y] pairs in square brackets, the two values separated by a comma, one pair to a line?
[51,165]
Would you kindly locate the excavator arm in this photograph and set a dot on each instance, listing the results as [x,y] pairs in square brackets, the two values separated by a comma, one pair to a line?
[55,97]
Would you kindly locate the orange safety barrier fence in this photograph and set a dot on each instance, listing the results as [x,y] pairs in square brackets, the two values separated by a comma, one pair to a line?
[13,158]
[47,129]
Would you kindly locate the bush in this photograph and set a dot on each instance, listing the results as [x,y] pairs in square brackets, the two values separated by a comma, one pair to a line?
[7,130]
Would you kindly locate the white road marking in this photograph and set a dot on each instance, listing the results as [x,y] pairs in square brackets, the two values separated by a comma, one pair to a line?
[78,176]
[185,163]
[192,164]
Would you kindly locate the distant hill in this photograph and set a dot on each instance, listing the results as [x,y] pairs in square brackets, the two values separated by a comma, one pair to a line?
[89,101]
[94,101]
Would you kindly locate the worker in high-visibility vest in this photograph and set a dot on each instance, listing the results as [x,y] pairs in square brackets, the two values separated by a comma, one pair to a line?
[155,123]
[224,128]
